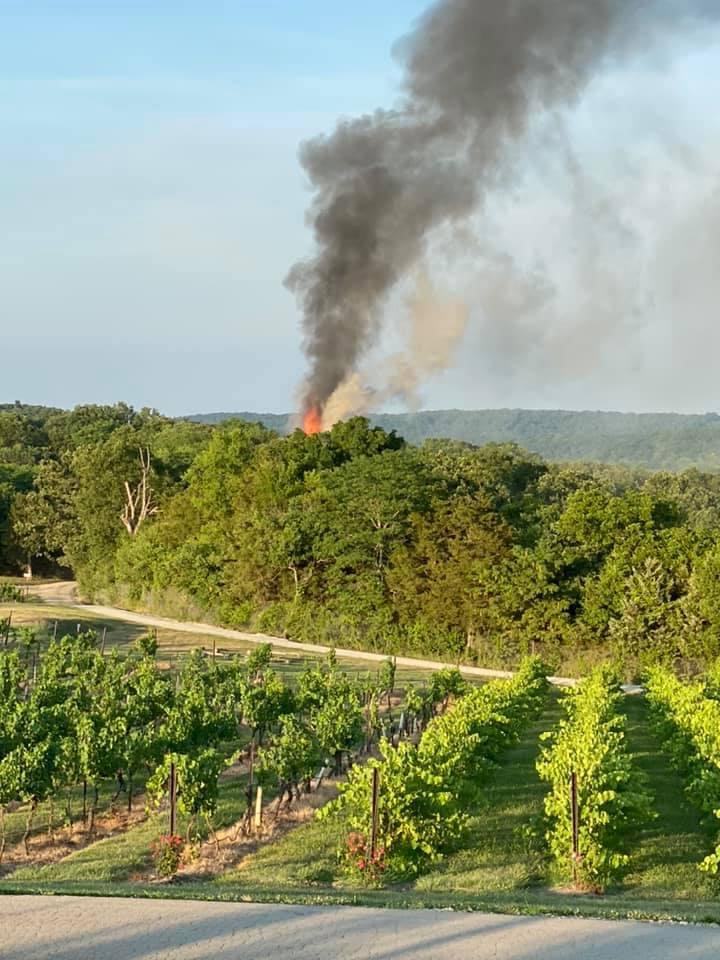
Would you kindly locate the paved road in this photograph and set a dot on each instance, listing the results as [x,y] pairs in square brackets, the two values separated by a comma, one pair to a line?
[76,928]
[64,594]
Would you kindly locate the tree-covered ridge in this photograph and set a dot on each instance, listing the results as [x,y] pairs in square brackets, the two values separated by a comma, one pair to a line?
[354,537]
[654,441]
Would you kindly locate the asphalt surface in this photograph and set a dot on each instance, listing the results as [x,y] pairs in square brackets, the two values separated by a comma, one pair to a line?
[78,928]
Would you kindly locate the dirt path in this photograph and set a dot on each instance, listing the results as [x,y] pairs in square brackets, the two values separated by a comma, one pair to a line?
[74,928]
[65,594]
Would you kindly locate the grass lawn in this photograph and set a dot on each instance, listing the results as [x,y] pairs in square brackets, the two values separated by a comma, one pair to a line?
[303,857]
[664,860]
[494,856]
[174,644]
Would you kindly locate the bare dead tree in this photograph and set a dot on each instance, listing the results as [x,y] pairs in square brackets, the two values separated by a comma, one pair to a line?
[140,503]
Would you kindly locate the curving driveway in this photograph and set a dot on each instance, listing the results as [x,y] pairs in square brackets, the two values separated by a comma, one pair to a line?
[65,594]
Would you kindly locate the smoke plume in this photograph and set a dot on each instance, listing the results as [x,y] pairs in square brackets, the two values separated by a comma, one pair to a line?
[477,73]
[434,327]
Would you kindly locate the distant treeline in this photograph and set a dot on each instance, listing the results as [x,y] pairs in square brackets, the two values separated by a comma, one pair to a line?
[655,441]
[354,537]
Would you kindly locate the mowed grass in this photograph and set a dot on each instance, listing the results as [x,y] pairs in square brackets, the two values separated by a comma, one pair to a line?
[495,854]
[306,856]
[51,620]
[665,856]
[497,858]
[173,645]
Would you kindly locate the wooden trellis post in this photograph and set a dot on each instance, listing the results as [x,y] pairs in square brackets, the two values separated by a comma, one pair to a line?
[173,799]
[575,815]
[374,813]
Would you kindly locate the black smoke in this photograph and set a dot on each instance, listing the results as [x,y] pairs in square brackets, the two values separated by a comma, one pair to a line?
[477,73]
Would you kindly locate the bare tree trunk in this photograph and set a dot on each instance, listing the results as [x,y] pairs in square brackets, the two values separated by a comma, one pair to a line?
[284,787]
[139,502]
[296,578]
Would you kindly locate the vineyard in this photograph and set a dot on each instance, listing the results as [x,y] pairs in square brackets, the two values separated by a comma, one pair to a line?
[236,773]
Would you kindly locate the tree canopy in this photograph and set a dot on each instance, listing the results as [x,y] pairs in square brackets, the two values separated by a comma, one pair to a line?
[355,537]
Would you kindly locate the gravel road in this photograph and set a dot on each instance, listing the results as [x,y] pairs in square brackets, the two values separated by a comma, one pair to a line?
[65,594]
[76,928]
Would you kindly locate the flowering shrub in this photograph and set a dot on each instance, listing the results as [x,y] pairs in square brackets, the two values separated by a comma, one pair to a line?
[168,854]
[370,867]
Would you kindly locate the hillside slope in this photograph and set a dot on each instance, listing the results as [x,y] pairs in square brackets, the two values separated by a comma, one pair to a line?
[657,441]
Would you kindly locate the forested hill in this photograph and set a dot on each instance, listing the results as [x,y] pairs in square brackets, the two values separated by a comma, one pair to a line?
[657,441]
[355,538]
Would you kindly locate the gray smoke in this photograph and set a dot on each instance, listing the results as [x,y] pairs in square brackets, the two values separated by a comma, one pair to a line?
[477,73]
[434,327]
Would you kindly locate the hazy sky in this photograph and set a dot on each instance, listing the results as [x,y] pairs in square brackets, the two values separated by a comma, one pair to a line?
[152,202]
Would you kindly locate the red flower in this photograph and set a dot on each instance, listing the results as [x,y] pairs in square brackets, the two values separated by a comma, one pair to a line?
[356,842]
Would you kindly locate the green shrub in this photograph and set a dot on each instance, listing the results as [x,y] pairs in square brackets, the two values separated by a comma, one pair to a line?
[9,593]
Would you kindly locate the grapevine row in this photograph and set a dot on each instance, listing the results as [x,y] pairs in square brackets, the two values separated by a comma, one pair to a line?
[587,754]
[688,719]
[80,716]
[420,813]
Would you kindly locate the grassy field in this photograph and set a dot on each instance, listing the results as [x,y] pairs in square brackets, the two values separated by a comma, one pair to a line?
[495,856]
[304,857]
[174,644]
[499,858]
[664,860]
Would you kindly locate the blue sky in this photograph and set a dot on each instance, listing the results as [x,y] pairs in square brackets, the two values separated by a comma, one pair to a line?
[152,201]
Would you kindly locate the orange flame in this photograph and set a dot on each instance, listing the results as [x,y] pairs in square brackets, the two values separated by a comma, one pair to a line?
[312,421]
